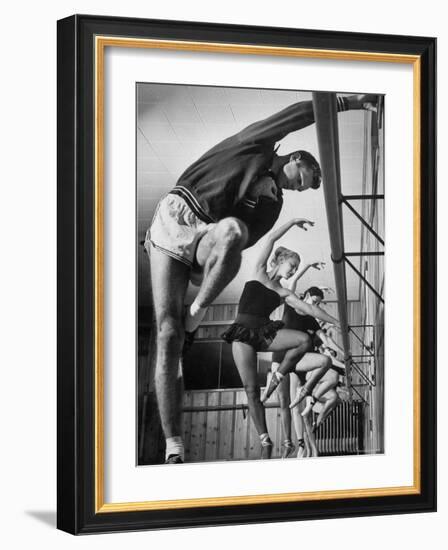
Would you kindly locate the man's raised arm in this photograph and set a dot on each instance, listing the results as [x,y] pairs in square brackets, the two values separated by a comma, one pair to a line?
[298,116]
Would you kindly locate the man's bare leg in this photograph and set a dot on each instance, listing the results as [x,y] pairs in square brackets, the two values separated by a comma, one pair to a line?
[169,279]
[219,256]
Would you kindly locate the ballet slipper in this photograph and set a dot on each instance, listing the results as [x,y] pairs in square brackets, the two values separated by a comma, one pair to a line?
[304,392]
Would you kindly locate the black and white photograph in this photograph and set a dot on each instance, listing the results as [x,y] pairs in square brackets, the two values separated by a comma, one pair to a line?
[260,242]
[206,342]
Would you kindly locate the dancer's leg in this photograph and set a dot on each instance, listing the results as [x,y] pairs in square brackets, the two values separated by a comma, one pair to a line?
[307,452]
[311,362]
[245,359]
[328,382]
[295,385]
[284,400]
[285,415]
[296,343]
[287,339]
[310,436]
[331,402]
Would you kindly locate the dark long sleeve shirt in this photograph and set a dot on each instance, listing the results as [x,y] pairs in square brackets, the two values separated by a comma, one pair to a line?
[215,186]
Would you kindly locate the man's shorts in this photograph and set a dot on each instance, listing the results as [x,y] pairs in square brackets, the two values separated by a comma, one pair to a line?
[176,230]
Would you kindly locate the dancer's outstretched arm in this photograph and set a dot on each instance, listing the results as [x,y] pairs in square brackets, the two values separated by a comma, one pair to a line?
[329,342]
[309,309]
[299,274]
[274,236]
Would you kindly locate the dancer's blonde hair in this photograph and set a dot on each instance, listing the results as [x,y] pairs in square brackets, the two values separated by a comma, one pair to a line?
[281,254]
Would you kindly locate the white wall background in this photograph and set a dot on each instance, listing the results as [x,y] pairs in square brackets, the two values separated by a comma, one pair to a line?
[28,273]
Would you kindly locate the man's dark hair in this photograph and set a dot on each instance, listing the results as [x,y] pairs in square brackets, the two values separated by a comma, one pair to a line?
[313,164]
[315,291]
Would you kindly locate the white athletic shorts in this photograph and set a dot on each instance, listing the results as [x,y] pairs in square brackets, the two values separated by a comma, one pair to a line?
[175,230]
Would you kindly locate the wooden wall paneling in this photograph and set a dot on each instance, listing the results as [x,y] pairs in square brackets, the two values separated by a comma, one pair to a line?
[186,416]
[198,418]
[240,450]
[226,426]
[273,421]
[253,440]
[212,427]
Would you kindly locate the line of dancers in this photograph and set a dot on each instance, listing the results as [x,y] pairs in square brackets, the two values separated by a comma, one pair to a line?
[304,353]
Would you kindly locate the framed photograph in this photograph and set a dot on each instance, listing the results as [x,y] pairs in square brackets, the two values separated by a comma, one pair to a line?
[246,274]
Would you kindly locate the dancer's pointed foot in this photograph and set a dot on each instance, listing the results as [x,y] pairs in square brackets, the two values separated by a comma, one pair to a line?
[301,449]
[268,383]
[304,392]
[309,406]
[288,448]
[315,426]
[271,386]
[266,449]
[174,459]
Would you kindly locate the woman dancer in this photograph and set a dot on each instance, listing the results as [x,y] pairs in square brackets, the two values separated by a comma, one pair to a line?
[325,392]
[290,381]
[323,401]
[253,331]
[297,320]
[321,394]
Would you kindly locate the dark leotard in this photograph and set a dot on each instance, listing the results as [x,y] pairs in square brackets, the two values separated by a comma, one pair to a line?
[295,321]
[252,324]
[258,301]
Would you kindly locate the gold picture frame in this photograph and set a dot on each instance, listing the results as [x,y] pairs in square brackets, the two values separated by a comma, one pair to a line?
[82,44]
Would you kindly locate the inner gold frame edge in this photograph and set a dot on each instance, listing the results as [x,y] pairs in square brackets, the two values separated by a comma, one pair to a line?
[101,42]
